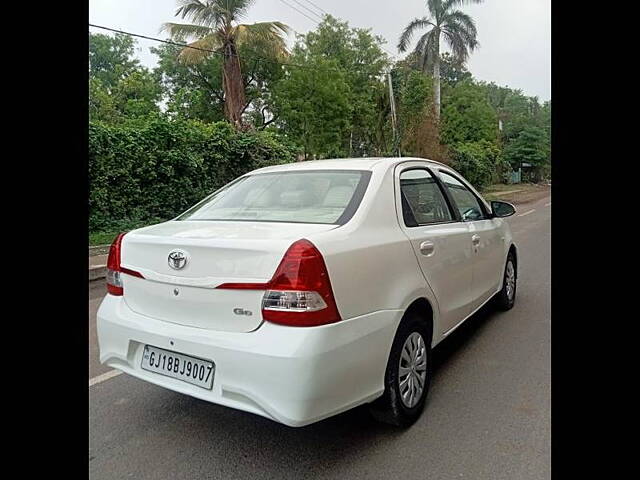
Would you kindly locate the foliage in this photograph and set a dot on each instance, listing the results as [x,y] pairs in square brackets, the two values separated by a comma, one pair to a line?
[418,126]
[190,91]
[137,94]
[102,105]
[526,127]
[158,142]
[119,88]
[446,21]
[345,67]
[516,113]
[111,58]
[452,70]
[361,61]
[545,118]
[422,139]
[479,162]
[217,32]
[456,27]
[151,171]
[467,116]
[496,95]
[312,106]
[530,146]
[415,97]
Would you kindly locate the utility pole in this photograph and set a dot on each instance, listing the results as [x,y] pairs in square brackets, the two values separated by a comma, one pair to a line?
[394,120]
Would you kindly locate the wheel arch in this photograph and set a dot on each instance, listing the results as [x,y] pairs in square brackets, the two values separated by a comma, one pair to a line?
[422,307]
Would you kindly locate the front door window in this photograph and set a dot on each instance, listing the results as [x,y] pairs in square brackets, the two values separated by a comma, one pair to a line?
[466,202]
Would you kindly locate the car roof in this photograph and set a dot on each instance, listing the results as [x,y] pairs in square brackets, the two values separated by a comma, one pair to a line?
[368,163]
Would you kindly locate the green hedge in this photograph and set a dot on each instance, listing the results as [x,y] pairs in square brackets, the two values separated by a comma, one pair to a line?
[481,162]
[151,171]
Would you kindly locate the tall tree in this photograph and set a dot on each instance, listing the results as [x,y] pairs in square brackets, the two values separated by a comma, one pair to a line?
[467,115]
[531,147]
[419,131]
[456,27]
[313,105]
[191,91]
[358,55]
[111,58]
[120,88]
[216,29]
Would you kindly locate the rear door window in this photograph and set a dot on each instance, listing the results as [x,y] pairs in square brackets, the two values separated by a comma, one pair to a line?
[423,202]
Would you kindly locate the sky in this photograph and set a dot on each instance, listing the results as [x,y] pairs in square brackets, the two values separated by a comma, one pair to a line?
[514,35]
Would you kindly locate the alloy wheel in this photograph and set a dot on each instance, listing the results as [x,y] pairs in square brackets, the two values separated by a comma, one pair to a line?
[412,370]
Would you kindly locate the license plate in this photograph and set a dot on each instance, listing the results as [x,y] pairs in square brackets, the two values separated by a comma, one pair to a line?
[172,364]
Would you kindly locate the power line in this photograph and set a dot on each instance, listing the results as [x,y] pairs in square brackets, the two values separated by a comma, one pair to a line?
[308,9]
[317,6]
[327,13]
[316,22]
[216,52]
[177,44]
[300,12]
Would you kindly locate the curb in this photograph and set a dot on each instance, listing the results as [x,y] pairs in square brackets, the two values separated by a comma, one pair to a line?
[98,250]
[97,272]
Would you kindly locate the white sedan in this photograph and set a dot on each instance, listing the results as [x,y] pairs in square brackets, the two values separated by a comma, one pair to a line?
[300,291]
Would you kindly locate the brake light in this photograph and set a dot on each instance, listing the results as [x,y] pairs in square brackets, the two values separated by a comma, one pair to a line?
[115,269]
[299,293]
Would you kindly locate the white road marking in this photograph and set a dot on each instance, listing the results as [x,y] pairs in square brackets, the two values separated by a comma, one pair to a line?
[527,213]
[103,377]
[547,204]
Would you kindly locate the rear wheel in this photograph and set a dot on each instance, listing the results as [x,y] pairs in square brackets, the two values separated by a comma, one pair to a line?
[408,374]
[507,296]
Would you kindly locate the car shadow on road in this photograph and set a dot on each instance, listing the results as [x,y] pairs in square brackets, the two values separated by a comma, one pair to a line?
[320,449]
[446,351]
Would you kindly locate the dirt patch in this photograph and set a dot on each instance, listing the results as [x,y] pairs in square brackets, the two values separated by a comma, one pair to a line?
[524,193]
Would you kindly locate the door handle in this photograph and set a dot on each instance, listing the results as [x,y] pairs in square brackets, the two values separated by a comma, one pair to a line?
[427,248]
[475,239]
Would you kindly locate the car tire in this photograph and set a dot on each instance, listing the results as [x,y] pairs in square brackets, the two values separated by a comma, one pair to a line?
[506,298]
[393,407]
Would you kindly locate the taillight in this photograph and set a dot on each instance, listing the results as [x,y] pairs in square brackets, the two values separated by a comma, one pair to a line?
[115,269]
[299,293]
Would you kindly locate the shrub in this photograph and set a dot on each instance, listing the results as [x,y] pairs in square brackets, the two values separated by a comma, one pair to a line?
[479,162]
[145,172]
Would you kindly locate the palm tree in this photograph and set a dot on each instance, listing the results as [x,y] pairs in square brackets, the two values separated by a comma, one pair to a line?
[215,28]
[458,29]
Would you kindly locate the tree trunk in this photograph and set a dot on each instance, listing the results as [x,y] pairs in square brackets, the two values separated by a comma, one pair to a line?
[234,96]
[436,79]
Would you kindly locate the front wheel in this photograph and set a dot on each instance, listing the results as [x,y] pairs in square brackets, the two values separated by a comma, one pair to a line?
[408,375]
[507,296]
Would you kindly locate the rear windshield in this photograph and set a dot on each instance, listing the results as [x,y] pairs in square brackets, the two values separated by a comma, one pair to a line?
[318,196]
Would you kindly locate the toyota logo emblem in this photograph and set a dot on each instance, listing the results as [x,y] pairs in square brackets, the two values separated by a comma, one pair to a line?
[177,259]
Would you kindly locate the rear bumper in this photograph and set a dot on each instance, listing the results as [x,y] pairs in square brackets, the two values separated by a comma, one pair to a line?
[294,376]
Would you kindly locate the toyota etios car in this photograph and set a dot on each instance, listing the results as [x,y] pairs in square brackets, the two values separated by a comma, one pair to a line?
[300,291]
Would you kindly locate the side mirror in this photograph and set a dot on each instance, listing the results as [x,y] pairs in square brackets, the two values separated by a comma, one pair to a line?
[502,209]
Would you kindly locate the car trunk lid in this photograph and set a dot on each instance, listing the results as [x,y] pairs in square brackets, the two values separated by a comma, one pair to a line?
[214,253]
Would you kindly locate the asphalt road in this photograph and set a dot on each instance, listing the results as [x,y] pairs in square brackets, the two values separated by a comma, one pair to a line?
[488,415]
